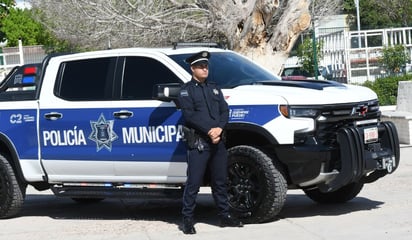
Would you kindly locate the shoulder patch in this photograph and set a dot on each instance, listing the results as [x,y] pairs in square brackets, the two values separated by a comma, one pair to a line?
[184,93]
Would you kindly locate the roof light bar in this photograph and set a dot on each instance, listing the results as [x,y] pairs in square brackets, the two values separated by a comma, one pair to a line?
[197,44]
[30,71]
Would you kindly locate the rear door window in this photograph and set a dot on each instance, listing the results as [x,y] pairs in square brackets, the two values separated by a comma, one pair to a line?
[89,79]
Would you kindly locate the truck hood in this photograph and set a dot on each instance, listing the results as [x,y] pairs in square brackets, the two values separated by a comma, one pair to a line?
[311,92]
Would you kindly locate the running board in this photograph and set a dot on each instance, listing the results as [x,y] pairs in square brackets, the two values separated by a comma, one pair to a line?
[105,190]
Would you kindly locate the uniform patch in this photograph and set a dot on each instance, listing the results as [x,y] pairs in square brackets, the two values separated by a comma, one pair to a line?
[184,93]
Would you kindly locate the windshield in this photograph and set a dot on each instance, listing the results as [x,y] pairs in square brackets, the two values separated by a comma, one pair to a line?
[229,70]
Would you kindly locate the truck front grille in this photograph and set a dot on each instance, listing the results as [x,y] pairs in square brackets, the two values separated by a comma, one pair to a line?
[334,117]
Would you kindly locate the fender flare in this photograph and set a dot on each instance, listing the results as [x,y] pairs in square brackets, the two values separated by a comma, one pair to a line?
[250,127]
[10,151]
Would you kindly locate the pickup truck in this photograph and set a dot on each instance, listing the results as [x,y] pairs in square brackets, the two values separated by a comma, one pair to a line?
[103,124]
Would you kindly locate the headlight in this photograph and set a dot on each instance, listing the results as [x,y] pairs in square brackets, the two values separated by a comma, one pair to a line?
[295,111]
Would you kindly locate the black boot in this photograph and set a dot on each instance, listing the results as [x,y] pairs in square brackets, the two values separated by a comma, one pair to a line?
[188,226]
[230,221]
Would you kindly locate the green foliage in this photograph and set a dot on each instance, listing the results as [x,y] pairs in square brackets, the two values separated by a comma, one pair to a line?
[5,6]
[387,88]
[393,58]
[19,24]
[376,14]
[305,54]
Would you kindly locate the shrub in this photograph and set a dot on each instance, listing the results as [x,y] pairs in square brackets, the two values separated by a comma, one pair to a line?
[306,55]
[387,88]
[393,58]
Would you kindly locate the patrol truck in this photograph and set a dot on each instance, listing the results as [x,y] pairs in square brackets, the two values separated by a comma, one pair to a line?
[103,124]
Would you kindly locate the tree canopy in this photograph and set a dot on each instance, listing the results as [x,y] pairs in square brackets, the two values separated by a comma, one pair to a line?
[264,30]
[19,25]
[376,14]
[5,6]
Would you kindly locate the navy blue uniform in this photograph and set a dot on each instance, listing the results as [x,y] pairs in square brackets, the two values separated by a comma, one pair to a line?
[204,107]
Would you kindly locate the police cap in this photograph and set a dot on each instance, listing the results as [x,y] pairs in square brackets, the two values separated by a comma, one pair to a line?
[199,58]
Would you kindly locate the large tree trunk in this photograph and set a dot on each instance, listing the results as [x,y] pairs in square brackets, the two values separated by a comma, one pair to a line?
[264,30]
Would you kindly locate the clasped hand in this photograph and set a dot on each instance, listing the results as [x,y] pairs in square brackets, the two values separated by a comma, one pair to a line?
[214,134]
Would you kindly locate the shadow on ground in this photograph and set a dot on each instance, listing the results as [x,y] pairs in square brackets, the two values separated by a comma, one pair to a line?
[298,206]
[168,210]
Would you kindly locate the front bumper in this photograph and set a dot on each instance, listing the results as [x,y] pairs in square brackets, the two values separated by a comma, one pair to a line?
[349,160]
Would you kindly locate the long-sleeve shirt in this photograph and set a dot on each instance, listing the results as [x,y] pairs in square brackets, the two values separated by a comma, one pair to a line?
[203,106]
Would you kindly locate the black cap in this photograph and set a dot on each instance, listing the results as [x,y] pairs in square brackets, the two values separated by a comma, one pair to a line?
[198,58]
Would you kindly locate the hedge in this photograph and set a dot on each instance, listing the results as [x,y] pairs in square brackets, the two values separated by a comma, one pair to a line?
[387,88]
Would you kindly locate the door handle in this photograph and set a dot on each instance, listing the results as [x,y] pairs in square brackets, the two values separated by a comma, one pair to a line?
[123,114]
[53,116]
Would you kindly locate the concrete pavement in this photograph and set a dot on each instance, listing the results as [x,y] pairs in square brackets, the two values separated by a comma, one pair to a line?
[383,210]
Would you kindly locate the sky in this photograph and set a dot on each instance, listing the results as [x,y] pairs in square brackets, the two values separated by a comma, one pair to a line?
[22,4]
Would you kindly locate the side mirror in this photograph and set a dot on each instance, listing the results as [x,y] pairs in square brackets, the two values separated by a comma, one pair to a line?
[166,92]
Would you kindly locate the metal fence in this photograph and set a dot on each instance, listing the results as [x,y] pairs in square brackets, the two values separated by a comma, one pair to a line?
[15,56]
[355,54]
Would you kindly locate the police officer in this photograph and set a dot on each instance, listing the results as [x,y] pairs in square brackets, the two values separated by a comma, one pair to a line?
[206,113]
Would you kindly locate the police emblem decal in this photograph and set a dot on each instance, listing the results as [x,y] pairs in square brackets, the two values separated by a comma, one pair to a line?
[102,133]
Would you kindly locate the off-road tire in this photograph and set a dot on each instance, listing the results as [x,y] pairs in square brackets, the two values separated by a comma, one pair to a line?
[341,195]
[256,188]
[11,192]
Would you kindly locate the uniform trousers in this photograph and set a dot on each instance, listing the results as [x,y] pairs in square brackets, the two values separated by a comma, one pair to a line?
[214,157]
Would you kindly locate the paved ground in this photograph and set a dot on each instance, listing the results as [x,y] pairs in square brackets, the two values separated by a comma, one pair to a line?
[383,210]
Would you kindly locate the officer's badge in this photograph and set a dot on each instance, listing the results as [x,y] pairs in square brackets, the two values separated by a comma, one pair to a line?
[215,91]
[102,133]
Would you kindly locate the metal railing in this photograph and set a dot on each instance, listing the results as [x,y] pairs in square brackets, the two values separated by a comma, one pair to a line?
[16,56]
[359,51]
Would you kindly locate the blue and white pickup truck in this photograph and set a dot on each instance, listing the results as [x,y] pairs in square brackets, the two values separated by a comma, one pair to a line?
[104,124]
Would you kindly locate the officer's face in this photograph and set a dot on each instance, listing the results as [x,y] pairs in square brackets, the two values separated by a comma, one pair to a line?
[200,71]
